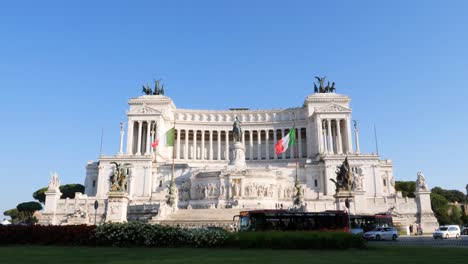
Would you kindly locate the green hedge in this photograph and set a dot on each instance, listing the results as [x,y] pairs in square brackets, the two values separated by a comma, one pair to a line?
[296,240]
[140,234]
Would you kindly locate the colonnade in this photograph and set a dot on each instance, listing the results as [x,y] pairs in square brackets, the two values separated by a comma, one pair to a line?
[200,144]
[334,136]
[141,134]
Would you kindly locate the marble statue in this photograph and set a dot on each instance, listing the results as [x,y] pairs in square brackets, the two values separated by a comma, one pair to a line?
[54,184]
[344,177]
[421,182]
[119,177]
[237,130]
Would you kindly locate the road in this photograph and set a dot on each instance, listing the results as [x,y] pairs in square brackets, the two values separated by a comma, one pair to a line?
[425,240]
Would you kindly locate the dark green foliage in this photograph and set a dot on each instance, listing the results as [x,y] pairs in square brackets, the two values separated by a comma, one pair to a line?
[407,188]
[440,208]
[67,190]
[296,240]
[28,209]
[451,195]
[40,195]
[455,215]
[16,216]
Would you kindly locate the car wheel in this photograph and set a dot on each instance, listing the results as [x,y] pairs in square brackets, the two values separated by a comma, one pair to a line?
[457,236]
[377,237]
[446,236]
[394,237]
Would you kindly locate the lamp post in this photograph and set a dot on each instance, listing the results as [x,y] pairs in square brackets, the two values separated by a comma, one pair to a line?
[96,205]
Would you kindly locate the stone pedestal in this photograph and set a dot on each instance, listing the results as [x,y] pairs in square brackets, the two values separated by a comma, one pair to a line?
[238,155]
[117,203]
[425,216]
[340,199]
[50,208]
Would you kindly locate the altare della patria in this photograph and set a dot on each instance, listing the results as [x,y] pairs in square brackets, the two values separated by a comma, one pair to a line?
[192,167]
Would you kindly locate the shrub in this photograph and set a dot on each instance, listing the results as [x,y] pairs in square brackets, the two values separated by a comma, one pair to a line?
[47,235]
[140,234]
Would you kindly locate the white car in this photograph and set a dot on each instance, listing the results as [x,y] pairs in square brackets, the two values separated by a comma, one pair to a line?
[382,233]
[447,232]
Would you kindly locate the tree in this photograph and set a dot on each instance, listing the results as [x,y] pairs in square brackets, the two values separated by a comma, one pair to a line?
[40,195]
[29,208]
[440,208]
[67,190]
[407,188]
[15,215]
[455,216]
[451,195]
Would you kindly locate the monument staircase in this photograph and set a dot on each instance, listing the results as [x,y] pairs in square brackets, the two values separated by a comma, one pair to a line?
[193,218]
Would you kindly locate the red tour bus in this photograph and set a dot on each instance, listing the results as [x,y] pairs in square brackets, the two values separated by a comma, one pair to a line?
[285,220]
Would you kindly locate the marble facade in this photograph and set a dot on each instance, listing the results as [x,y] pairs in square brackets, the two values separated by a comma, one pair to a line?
[213,172]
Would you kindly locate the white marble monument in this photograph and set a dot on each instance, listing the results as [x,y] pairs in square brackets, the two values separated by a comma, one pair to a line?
[219,171]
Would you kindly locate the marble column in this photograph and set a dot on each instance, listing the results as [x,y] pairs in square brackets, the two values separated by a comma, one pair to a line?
[211,145]
[202,145]
[348,135]
[330,138]
[356,135]
[338,133]
[194,157]
[324,136]
[320,135]
[130,138]
[187,132]
[251,144]
[227,145]
[148,137]
[274,142]
[178,144]
[219,144]
[267,144]
[259,145]
[140,124]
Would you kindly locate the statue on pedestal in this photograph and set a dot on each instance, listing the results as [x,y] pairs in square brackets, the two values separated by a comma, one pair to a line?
[237,130]
[421,182]
[344,177]
[119,177]
[54,184]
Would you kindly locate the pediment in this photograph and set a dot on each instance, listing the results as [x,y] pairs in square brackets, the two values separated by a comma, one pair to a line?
[333,108]
[144,110]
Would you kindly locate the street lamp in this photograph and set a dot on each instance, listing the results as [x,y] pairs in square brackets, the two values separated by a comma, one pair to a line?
[96,205]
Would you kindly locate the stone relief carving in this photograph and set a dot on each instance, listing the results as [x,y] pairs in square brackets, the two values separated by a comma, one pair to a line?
[259,190]
[184,191]
[236,187]
[333,108]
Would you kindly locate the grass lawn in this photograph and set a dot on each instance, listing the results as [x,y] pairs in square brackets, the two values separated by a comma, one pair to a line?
[382,254]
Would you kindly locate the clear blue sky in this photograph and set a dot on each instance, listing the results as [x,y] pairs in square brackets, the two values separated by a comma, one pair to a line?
[68,69]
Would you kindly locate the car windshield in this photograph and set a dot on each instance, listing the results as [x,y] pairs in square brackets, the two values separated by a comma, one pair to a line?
[443,228]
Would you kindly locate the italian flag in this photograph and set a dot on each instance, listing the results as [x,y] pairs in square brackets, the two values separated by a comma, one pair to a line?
[286,141]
